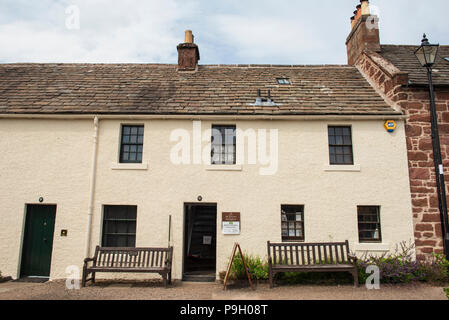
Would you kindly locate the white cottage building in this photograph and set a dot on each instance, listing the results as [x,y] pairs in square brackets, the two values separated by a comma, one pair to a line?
[156,155]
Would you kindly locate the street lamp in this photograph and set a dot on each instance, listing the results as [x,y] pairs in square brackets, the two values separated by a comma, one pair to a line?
[427,54]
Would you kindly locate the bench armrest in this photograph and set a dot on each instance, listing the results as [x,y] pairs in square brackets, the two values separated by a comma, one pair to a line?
[353,259]
[168,263]
[88,260]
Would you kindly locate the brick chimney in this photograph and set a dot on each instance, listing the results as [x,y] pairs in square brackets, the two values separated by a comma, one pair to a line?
[188,53]
[364,32]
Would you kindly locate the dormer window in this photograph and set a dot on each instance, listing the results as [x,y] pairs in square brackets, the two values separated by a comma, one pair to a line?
[283,81]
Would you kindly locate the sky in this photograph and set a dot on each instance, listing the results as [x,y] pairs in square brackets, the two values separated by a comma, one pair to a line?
[226,31]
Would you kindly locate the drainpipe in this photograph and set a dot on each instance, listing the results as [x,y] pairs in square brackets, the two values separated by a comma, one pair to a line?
[92,188]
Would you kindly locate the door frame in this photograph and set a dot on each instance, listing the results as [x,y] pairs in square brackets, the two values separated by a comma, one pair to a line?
[184,215]
[22,240]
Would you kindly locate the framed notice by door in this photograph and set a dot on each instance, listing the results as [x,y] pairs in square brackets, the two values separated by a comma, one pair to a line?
[231,223]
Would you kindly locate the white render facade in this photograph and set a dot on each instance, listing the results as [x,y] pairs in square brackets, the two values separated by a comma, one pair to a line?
[52,158]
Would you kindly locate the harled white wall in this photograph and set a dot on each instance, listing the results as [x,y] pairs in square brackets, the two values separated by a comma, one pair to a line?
[52,159]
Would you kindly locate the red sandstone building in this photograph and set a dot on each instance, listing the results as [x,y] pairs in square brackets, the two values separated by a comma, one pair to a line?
[396,74]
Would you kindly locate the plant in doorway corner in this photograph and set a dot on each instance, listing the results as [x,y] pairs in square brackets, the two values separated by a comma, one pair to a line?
[258,268]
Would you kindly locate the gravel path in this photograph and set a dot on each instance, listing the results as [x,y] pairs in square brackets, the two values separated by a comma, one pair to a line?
[205,291]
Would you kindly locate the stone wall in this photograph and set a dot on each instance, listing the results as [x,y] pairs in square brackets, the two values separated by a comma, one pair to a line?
[414,101]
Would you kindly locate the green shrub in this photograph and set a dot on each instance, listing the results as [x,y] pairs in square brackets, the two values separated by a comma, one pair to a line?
[446,290]
[257,267]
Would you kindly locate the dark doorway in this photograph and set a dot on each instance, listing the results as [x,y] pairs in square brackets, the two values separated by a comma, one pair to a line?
[38,241]
[200,242]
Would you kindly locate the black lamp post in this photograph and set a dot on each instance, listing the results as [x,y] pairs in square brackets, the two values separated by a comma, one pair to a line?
[427,54]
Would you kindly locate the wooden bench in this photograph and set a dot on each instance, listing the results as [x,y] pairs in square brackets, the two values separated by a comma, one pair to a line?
[143,260]
[310,257]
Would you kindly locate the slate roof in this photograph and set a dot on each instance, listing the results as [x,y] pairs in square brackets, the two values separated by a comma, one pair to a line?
[403,58]
[161,89]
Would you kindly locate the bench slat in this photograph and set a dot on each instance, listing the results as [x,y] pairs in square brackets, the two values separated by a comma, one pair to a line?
[285,259]
[313,254]
[308,255]
[302,255]
[291,255]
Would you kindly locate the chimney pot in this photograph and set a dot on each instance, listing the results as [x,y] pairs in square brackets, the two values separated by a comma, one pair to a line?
[352,22]
[188,37]
[365,7]
[358,12]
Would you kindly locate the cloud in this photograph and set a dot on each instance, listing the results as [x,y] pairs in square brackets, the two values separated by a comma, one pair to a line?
[227,31]
[125,31]
[255,39]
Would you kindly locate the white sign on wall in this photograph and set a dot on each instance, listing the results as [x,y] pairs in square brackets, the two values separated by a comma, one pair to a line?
[231,227]
[231,222]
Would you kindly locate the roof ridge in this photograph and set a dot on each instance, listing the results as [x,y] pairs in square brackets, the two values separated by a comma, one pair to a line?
[407,45]
[278,65]
[72,64]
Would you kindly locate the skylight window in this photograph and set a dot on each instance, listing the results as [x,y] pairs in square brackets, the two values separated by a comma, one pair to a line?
[447,59]
[283,81]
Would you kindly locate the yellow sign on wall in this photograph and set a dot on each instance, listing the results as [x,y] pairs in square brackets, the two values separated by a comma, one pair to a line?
[390,125]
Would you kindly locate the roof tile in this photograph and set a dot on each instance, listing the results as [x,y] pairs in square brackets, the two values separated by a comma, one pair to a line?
[403,57]
[161,89]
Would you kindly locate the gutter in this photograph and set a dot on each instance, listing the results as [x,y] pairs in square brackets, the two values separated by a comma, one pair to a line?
[92,188]
[240,117]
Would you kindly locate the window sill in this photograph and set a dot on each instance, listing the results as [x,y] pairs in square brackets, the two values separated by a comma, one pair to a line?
[224,168]
[130,166]
[380,247]
[337,168]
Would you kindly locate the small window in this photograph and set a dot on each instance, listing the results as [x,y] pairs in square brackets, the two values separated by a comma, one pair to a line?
[340,146]
[369,224]
[292,219]
[119,226]
[283,81]
[131,147]
[223,149]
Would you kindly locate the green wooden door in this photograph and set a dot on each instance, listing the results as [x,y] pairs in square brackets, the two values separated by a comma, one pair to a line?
[38,240]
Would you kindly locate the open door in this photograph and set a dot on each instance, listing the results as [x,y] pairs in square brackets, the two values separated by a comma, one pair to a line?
[200,242]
